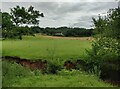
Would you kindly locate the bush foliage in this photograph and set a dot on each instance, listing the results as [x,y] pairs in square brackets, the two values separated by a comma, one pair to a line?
[106,48]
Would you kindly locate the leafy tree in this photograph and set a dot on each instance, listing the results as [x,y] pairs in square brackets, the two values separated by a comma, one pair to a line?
[22,16]
[7,26]
[100,25]
[114,23]
[0,23]
[6,20]
[106,47]
[0,18]
[15,24]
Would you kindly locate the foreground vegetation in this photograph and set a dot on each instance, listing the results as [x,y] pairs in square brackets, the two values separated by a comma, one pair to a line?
[18,76]
[105,53]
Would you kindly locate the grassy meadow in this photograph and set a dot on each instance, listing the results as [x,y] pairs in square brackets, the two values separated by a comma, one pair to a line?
[41,47]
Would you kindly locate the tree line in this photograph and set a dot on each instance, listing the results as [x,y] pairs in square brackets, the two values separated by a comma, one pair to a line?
[63,31]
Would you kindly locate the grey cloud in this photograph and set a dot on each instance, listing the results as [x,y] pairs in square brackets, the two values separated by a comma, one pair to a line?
[66,13]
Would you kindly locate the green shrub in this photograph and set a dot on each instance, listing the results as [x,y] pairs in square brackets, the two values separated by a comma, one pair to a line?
[103,50]
[11,70]
[53,67]
[106,46]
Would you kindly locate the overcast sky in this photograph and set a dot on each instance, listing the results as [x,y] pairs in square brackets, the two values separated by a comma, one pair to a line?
[71,14]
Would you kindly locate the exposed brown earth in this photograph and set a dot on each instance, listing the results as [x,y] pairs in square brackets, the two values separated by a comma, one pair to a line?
[40,64]
[43,65]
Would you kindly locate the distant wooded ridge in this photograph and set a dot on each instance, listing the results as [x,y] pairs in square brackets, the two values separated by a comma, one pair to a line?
[63,31]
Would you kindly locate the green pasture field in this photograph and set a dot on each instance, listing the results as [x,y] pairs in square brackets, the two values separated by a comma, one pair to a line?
[40,47]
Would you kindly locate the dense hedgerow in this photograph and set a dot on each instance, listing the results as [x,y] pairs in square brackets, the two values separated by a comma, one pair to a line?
[104,57]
